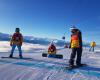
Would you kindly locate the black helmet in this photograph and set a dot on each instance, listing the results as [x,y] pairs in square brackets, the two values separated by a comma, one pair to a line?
[17,30]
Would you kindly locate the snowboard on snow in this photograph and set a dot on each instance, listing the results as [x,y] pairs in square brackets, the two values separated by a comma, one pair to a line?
[14,57]
[59,56]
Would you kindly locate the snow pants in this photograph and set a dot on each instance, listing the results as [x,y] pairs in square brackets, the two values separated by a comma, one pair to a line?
[19,48]
[78,52]
[91,49]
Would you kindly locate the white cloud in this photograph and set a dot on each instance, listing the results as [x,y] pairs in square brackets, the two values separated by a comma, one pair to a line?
[5,46]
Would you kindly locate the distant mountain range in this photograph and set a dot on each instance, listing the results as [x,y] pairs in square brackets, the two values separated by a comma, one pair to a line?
[36,40]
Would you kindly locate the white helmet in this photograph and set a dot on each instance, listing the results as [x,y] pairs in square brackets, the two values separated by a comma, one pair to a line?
[73,27]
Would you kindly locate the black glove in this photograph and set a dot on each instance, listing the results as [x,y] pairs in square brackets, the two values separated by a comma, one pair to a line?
[69,47]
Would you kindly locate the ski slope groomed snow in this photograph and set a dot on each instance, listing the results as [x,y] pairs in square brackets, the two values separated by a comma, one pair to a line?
[36,67]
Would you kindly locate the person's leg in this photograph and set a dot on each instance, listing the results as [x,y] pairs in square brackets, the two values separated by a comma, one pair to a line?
[50,55]
[79,54]
[20,51]
[13,48]
[90,49]
[72,57]
[93,49]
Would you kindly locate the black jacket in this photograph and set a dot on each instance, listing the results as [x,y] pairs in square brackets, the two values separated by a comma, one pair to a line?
[80,38]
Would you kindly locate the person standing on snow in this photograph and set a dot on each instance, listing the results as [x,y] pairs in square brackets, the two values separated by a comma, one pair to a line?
[76,46]
[16,40]
[93,44]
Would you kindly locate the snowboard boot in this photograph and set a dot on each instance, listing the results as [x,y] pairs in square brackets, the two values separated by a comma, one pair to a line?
[80,65]
[11,56]
[20,56]
[72,66]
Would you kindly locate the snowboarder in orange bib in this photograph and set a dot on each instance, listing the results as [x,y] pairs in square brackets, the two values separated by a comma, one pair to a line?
[76,46]
[16,40]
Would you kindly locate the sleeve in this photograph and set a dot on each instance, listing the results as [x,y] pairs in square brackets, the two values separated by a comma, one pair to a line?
[80,38]
[21,38]
[11,40]
[70,42]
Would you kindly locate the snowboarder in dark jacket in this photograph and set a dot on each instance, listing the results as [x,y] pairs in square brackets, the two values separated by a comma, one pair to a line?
[76,46]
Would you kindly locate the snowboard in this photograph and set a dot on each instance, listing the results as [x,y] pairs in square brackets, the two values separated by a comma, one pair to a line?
[14,57]
[59,56]
[74,67]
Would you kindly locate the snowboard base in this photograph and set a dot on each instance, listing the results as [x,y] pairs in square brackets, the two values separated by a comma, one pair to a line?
[52,56]
[15,57]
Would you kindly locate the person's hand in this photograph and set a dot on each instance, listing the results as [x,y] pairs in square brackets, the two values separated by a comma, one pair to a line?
[10,44]
[20,44]
[69,47]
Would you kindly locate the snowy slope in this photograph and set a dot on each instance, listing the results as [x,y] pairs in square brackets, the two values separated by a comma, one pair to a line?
[35,67]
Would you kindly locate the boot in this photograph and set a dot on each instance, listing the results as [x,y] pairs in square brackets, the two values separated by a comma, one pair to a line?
[20,56]
[80,65]
[11,56]
[72,66]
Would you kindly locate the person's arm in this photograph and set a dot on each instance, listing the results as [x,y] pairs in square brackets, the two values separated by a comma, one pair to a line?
[11,40]
[70,42]
[80,38]
[21,39]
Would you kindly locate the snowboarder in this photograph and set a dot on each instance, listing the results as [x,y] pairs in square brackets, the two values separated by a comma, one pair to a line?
[52,50]
[93,44]
[76,46]
[16,40]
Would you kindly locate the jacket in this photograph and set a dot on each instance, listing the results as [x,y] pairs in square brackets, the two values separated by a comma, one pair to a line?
[76,40]
[16,39]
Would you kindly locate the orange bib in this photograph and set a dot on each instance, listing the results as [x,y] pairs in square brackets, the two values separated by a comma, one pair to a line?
[75,41]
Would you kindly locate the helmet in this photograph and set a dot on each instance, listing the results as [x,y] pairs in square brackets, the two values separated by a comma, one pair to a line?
[17,30]
[73,28]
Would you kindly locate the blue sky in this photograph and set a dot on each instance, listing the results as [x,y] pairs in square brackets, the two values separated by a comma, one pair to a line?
[51,18]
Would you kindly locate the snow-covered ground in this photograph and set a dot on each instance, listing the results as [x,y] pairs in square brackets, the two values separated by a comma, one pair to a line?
[35,67]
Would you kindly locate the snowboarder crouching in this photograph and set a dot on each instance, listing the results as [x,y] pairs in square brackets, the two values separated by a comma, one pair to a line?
[52,50]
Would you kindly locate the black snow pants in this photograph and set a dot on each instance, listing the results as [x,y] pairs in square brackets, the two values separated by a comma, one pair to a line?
[78,52]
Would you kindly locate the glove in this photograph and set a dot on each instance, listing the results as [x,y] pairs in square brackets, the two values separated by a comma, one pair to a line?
[10,44]
[69,47]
